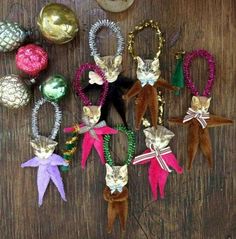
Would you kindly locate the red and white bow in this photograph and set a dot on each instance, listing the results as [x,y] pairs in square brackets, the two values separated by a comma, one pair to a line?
[191,114]
[158,153]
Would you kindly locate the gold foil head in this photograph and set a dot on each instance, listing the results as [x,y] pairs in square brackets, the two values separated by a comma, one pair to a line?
[43,147]
[157,138]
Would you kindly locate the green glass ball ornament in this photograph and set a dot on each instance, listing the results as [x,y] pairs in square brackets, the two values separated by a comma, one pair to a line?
[54,88]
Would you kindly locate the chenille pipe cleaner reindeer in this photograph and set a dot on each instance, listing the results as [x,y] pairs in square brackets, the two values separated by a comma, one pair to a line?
[148,74]
[198,118]
[92,129]
[159,156]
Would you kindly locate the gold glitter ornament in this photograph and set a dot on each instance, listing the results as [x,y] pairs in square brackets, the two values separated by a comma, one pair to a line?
[131,37]
[58,23]
[14,93]
[161,104]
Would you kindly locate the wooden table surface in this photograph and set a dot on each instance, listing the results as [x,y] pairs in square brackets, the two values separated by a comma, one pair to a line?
[198,204]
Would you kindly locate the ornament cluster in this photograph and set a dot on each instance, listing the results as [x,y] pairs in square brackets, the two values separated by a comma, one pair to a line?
[58,24]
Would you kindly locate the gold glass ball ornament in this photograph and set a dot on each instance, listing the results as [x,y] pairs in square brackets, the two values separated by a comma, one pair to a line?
[14,93]
[58,23]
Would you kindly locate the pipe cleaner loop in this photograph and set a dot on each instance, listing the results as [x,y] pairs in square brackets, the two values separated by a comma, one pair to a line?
[131,145]
[79,90]
[140,27]
[113,27]
[58,116]
[211,68]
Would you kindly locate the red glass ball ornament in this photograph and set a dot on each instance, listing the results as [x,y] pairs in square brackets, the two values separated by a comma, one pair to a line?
[31,59]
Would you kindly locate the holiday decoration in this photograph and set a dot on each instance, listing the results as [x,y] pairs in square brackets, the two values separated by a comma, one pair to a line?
[12,35]
[198,118]
[54,88]
[31,59]
[92,129]
[46,161]
[148,74]
[115,192]
[14,93]
[160,157]
[14,90]
[178,76]
[115,6]
[58,23]
[111,66]
[70,145]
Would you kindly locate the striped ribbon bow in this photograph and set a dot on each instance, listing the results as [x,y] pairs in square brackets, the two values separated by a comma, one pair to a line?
[191,114]
[91,130]
[158,153]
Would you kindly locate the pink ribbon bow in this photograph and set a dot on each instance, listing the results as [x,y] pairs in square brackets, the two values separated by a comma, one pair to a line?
[158,154]
[200,117]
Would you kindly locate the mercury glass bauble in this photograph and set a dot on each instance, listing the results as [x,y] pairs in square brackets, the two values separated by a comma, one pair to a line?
[14,93]
[115,5]
[57,23]
[12,35]
[54,88]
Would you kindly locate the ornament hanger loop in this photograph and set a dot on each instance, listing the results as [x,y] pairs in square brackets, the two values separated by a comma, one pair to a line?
[79,90]
[58,116]
[131,145]
[189,57]
[113,27]
[140,27]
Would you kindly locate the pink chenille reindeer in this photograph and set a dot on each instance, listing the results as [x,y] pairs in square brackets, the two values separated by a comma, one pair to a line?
[160,157]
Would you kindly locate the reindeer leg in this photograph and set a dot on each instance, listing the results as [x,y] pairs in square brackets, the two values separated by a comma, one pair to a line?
[215,121]
[193,141]
[140,108]
[164,84]
[134,90]
[205,145]
[153,106]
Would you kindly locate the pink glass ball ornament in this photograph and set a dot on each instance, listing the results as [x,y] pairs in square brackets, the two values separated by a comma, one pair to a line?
[14,89]
[31,59]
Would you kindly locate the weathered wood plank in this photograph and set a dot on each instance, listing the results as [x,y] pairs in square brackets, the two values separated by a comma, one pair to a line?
[198,204]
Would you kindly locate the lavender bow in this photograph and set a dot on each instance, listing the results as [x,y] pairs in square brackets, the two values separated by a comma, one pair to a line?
[191,114]
[114,188]
[148,82]
[47,169]
[158,153]
[90,128]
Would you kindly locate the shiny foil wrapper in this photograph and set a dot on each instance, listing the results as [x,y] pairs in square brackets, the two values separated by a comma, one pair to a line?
[14,93]
[161,105]
[12,36]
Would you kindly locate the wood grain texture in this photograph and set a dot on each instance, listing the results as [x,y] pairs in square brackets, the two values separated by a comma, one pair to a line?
[199,204]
